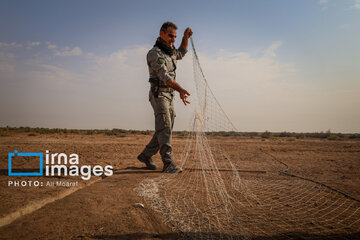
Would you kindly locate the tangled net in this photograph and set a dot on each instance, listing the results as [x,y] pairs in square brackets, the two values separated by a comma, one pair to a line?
[211,199]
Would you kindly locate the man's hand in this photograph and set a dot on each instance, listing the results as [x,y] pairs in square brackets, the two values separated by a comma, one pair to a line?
[183,95]
[188,33]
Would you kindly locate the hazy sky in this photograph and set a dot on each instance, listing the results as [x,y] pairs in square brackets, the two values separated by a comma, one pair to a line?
[273,65]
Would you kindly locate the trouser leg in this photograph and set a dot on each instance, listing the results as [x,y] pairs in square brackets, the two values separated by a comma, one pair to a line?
[164,121]
[165,135]
[164,139]
[152,147]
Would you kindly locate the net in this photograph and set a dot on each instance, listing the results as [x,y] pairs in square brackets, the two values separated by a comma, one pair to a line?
[220,195]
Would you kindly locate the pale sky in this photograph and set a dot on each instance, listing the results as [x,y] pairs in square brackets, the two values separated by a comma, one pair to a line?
[273,65]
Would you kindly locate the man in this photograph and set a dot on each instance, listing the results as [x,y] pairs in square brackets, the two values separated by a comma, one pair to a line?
[161,60]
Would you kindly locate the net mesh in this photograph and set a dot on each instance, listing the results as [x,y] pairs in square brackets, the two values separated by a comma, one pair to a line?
[213,198]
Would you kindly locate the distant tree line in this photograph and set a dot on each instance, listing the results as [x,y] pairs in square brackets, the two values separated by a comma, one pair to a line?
[123,133]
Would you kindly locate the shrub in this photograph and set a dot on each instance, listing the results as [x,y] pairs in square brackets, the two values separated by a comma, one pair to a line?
[121,135]
[266,134]
[354,136]
[285,134]
[333,137]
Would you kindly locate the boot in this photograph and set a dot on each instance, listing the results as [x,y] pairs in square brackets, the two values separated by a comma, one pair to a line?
[148,162]
[170,167]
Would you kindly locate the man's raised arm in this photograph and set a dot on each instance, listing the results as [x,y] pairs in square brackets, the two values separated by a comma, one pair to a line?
[185,39]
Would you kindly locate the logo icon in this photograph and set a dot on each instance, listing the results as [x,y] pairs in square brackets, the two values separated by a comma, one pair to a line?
[40,155]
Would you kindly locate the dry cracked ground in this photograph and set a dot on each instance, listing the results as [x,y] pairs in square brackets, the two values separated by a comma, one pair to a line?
[103,206]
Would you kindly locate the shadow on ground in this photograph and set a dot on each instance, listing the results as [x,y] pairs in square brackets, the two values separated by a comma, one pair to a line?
[128,170]
[287,236]
[134,170]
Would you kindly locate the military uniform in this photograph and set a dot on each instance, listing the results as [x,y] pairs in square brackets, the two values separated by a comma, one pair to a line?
[161,69]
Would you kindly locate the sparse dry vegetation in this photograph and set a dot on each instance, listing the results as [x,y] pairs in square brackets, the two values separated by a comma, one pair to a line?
[6,131]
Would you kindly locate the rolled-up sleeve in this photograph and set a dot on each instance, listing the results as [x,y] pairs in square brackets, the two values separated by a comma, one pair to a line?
[180,53]
[157,63]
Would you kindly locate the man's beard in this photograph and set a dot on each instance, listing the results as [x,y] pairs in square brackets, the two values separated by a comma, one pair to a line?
[168,49]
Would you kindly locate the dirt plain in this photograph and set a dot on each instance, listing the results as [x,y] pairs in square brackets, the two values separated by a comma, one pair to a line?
[103,207]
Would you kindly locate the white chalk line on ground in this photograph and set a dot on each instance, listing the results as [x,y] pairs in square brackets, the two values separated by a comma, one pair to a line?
[30,208]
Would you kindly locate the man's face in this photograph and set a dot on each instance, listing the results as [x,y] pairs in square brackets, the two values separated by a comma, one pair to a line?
[169,36]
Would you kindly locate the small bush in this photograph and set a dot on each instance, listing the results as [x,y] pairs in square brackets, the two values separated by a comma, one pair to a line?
[299,135]
[333,137]
[121,135]
[4,133]
[89,132]
[182,134]
[251,134]
[266,134]
[354,136]
[285,134]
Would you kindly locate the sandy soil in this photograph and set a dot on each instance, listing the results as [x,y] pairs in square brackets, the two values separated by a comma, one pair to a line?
[103,207]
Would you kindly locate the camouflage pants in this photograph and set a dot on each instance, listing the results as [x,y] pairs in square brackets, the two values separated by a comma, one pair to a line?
[164,112]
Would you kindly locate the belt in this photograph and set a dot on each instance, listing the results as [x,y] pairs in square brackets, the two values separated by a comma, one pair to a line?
[166,89]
